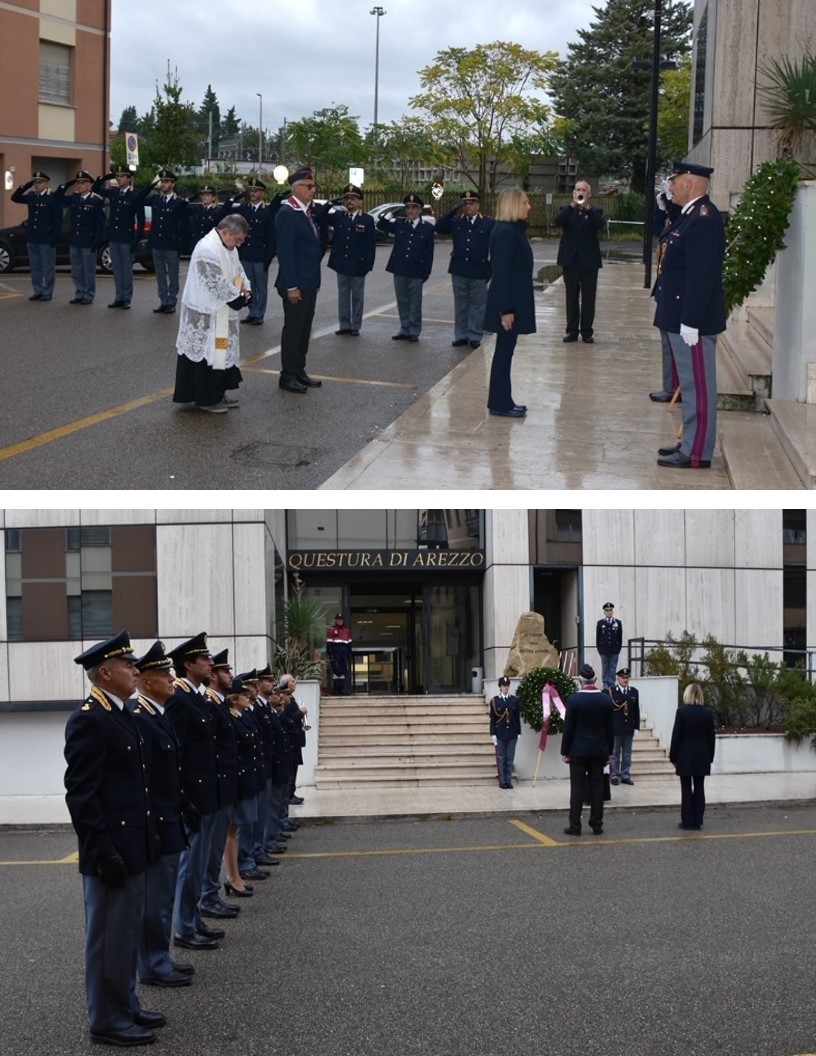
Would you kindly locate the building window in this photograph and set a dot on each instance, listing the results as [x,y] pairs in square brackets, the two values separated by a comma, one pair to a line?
[72,584]
[568,526]
[55,72]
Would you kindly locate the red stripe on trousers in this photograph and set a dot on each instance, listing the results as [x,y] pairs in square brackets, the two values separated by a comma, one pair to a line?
[701,399]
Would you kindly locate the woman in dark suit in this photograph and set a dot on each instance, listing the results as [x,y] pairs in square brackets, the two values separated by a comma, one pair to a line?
[510,310]
[692,753]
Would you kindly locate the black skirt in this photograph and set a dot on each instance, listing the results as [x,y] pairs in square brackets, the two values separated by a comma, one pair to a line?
[201,384]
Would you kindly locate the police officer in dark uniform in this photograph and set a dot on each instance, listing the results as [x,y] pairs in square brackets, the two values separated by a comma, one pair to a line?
[126,221]
[609,642]
[189,712]
[666,214]
[691,310]
[86,230]
[42,232]
[410,263]
[258,250]
[202,215]
[166,232]
[626,723]
[505,730]
[156,687]
[249,850]
[469,266]
[353,251]
[106,784]
[262,716]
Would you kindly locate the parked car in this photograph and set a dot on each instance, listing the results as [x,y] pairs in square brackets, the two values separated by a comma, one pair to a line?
[14,250]
[393,210]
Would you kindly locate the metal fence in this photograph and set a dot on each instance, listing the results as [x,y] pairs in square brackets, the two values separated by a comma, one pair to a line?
[639,648]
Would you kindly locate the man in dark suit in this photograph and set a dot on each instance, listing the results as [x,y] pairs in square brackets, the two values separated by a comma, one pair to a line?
[112,813]
[579,254]
[608,642]
[156,687]
[300,251]
[586,744]
[691,310]
[626,700]
[410,263]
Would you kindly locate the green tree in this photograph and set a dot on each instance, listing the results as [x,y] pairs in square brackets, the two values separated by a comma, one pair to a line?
[129,121]
[209,106]
[399,146]
[230,125]
[169,135]
[673,111]
[330,140]
[479,101]
[604,97]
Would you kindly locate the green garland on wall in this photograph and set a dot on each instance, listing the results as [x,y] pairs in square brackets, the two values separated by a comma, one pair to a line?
[757,228]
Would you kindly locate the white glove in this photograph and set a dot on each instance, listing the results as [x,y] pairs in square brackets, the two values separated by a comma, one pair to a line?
[690,334]
[634,733]
[495,740]
[661,201]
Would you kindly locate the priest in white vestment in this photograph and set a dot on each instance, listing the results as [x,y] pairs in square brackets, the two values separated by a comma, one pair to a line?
[208,339]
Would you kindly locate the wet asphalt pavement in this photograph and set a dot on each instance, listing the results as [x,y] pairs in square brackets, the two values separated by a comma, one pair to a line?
[462,937]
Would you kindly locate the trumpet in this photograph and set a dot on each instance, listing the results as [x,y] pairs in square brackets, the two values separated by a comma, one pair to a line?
[579,198]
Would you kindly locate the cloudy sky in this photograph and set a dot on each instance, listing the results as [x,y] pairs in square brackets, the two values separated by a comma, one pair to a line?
[307,54]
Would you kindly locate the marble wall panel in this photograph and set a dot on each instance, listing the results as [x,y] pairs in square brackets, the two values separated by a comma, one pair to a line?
[709,538]
[710,603]
[758,607]
[4,671]
[811,601]
[608,583]
[508,537]
[506,597]
[661,603]
[42,518]
[758,539]
[248,651]
[734,63]
[195,580]
[659,537]
[250,573]
[3,617]
[89,518]
[609,537]
[193,516]
[46,671]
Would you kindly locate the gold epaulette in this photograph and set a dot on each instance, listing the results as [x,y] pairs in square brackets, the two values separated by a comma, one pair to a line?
[213,696]
[148,707]
[100,698]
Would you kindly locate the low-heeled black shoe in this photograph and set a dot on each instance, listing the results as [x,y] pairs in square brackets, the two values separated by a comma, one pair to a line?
[210,933]
[145,1018]
[310,383]
[521,407]
[459,342]
[171,980]
[134,1035]
[588,340]
[235,892]
[570,831]
[292,385]
[597,829]
[680,461]
[668,450]
[399,337]
[514,412]
[343,331]
[569,337]
[475,344]
[194,942]
[660,397]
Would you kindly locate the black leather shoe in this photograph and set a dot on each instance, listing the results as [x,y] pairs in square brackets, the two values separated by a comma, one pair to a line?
[345,331]
[570,831]
[399,337]
[195,942]
[292,385]
[310,383]
[597,829]
[660,397]
[35,297]
[125,305]
[569,337]
[475,344]
[146,1018]
[76,300]
[124,1038]
[255,874]
[265,861]
[588,340]
[235,892]
[614,781]
[172,979]
[227,905]
[668,450]
[211,933]
[159,310]
[413,339]
[354,333]
[296,799]
[290,826]
[627,781]
[185,969]
[514,412]
[218,912]
[521,407]
[681,461]
[279,849]
[459,342]
[115,304]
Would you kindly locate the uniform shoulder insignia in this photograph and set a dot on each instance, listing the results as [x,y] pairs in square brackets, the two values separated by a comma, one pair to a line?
[100,698]
[703,210]
[144,706]
[87,705]
[179,683]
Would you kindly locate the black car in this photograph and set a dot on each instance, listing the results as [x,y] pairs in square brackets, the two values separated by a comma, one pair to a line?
[14,251]
[394,210]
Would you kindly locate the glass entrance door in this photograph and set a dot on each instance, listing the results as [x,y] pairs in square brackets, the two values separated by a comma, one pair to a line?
[451,628]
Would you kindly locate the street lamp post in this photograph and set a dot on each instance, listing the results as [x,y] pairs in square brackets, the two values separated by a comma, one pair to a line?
[379,12]
[260,131]
[651,159]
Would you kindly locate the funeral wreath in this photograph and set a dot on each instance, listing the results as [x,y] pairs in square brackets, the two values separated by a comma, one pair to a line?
[529,695]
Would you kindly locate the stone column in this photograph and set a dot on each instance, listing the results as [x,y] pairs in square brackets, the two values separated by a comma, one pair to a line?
[507,584]
[794,354]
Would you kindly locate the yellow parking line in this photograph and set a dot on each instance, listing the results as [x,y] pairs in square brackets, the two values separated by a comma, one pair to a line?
[546,840]
[83,423]
[342,381]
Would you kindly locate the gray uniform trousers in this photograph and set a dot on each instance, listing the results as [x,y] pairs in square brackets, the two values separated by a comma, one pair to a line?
[112,917]
[697,372]
[42,257]
[156,928]
[408,291]
[350,294]
[121,254]
[469,299]
[83,272]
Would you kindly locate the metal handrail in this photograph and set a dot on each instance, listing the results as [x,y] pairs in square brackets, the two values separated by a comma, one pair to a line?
[638,647]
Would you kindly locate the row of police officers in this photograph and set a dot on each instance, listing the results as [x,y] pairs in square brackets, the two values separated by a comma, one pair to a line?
[166,776]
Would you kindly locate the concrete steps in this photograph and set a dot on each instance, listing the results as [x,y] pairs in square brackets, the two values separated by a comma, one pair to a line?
[649,758]
[744,361]
[794,426]
[755,456]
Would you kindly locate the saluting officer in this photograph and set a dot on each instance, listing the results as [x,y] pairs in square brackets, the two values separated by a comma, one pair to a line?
[410,263]
[156,687]
[42,232]
[188,711]
[353,251]
[202,215]
[258,249]
[166,229]
[691,310]
[86,230]
[106,784]
[126,221]
[469,266]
